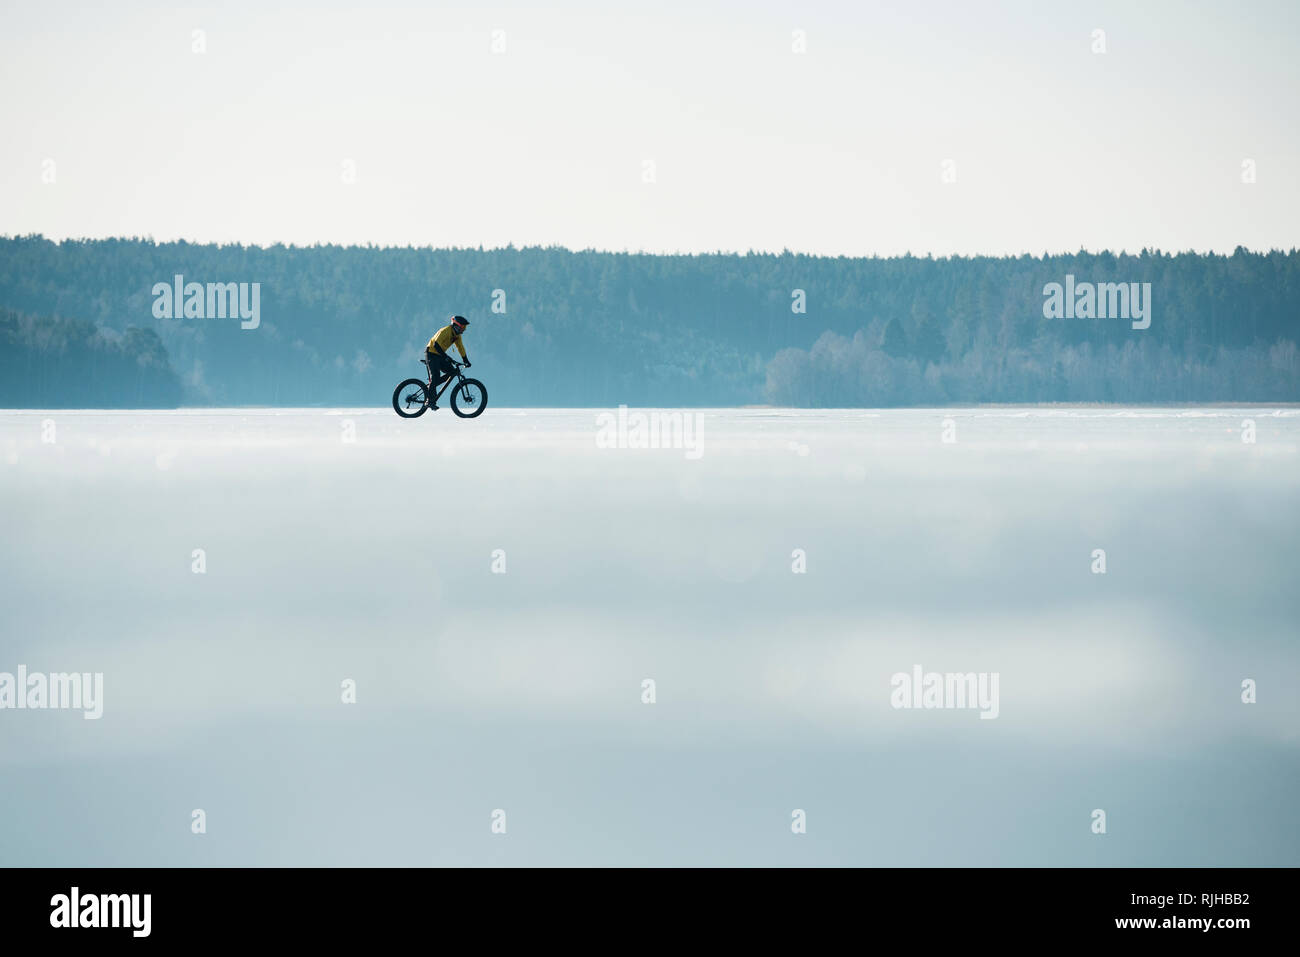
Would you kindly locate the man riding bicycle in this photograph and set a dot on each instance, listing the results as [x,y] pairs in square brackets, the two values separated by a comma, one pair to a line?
[440,366]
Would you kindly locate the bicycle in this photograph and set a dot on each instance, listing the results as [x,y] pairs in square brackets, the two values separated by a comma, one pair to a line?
[468,398]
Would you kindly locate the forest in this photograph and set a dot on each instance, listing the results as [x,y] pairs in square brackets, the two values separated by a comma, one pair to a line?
[48,363]
[341,325]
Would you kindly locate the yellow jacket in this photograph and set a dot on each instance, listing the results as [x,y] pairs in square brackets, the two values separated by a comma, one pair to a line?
[442,341]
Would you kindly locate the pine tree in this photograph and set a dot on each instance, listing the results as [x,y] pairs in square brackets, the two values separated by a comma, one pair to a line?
[894,341]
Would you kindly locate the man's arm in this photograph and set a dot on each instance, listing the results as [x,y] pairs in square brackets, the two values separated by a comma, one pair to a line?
[461,346]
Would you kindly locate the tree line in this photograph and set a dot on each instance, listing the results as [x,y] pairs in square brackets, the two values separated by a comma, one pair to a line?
[55,363]
[340,325]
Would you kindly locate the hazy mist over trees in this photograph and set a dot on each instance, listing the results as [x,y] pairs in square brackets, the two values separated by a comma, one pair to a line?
[71,364]
[342,325]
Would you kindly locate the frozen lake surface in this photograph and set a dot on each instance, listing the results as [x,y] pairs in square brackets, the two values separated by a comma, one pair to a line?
[499,590]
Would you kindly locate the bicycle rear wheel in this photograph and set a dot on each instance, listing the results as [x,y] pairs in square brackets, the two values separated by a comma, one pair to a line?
[408,399]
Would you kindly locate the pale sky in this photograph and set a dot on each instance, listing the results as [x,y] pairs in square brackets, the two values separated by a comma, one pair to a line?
[838,150]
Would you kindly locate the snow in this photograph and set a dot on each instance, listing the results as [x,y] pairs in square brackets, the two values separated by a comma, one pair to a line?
[350,544]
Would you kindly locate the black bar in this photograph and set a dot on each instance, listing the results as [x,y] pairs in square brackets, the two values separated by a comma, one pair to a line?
[982,906]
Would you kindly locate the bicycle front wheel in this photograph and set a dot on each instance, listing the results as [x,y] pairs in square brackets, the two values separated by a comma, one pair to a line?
[408,399]
[469,398]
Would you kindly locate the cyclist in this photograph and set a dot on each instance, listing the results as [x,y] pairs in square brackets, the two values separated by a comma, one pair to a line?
[441,367]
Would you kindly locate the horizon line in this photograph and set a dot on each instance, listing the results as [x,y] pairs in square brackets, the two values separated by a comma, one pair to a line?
[511,247]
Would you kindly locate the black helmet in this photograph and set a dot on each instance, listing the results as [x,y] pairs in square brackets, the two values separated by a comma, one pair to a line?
[460,322]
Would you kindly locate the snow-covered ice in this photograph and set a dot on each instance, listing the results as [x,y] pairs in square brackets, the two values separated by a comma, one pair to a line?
[350,544]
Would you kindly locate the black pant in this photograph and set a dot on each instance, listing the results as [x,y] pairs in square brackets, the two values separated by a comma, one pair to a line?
[439,366]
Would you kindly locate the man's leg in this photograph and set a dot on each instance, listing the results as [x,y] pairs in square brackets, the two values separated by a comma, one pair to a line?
[442,371]
[432,361]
